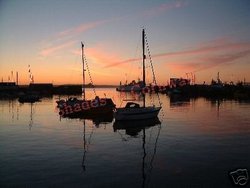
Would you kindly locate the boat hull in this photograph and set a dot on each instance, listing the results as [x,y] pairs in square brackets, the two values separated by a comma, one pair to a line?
[122,114]
[85,108]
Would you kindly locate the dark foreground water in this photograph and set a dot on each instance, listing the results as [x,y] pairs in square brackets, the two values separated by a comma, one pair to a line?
[198,143]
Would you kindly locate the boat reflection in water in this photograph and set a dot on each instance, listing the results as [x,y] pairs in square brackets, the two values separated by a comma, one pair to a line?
[29,98]
[133,128]
[96,119]
[179,100]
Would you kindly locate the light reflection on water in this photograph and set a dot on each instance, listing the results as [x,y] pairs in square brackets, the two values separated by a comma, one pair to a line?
[197,143]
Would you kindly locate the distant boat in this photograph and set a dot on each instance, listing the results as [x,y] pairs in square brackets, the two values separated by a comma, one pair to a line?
[133,111]
[131,87]
[74,108]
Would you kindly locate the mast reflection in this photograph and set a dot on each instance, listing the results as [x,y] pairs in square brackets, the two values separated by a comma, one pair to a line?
[86,143]
[97,120]
[133,128]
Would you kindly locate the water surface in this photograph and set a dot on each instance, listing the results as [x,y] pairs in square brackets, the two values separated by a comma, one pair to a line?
[196,145]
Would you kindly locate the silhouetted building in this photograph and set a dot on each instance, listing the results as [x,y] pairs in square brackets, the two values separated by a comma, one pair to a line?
[43,88]
[178,82]
[8,86]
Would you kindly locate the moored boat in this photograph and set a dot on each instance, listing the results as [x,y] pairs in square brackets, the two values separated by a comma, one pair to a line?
[131,87]
[133,111]
[81,108]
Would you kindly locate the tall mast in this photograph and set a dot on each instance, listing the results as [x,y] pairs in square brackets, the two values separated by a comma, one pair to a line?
[143,57]
[83,74]
[218,77]
[143,64]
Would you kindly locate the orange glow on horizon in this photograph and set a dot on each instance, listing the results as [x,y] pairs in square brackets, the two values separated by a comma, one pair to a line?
[62,64]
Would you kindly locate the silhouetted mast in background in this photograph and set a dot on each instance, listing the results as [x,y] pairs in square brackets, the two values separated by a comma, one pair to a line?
[30,75]
[16,78]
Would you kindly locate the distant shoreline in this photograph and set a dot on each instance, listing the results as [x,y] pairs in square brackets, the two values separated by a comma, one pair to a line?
[11,89]
[76,85]
[239,91]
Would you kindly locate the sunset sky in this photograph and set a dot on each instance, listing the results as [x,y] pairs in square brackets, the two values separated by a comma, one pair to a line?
[202,37]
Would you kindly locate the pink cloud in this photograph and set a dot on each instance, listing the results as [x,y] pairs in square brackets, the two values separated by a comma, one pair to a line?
[81,28]
[118,63]
[206,62]
[98,55]
[71,32]
[210,62]
[53,49]
[163,8]
[207,50]
[180,66]
[66,35]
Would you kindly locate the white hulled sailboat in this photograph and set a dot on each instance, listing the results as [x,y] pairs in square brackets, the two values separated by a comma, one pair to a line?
[133,111]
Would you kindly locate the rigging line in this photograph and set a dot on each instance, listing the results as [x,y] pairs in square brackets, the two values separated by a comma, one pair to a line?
[89,139]
[91,134]
[121,103]
[151,98]
[150,136]
[122,137]
[150,60]
[152,159]
[91,81]
[86,146]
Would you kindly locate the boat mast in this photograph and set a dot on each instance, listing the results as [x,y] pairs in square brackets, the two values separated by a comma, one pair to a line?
[143,57]
[143,63]
[83,74]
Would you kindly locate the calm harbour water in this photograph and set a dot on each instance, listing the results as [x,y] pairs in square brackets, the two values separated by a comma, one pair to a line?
[197,144]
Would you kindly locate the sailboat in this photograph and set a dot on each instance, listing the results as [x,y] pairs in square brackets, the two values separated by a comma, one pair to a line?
[133,111]
[85,108]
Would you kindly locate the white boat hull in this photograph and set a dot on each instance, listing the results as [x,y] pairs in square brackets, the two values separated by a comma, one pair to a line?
[136,113]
